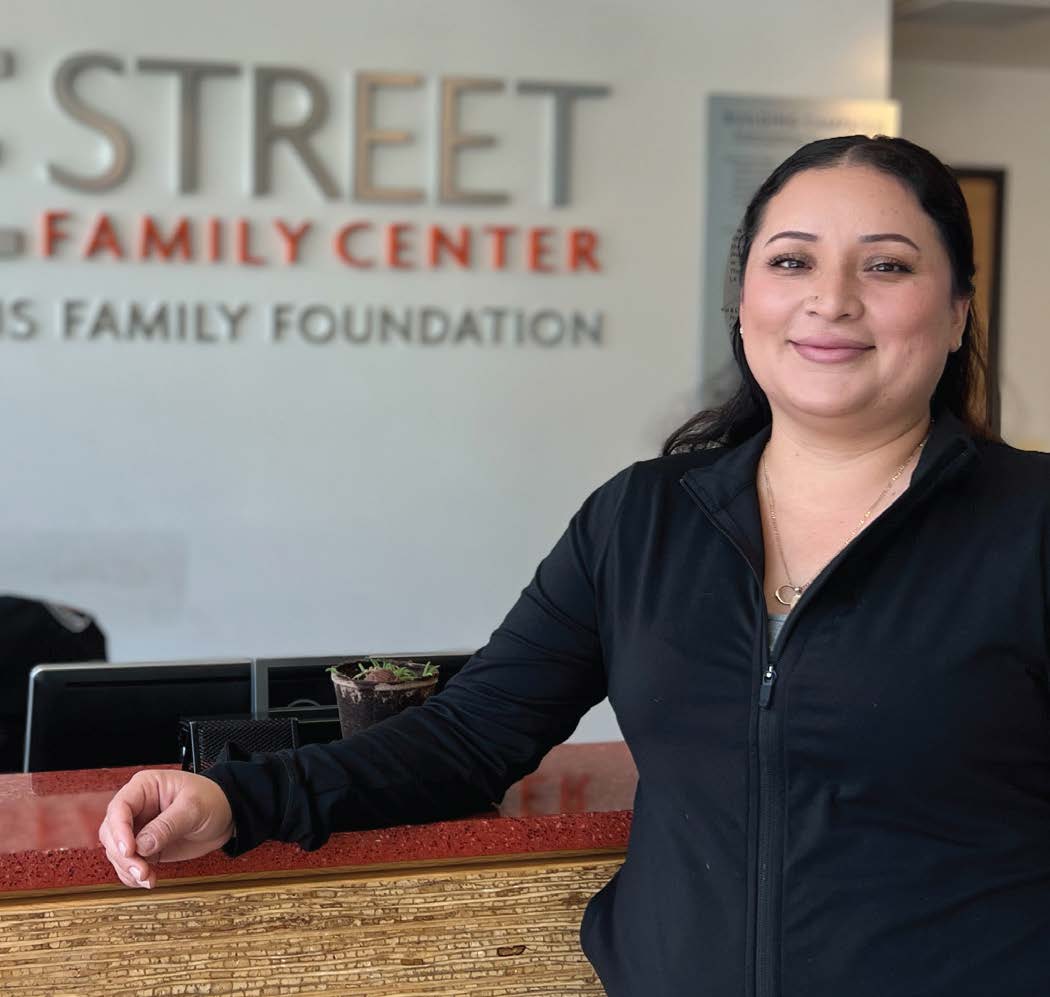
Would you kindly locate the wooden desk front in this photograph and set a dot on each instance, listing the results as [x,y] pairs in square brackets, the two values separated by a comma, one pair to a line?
[486,905]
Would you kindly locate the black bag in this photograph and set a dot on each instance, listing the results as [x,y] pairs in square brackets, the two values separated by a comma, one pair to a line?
[33,632]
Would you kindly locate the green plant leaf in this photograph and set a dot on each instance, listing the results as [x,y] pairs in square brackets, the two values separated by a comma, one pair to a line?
[402,673]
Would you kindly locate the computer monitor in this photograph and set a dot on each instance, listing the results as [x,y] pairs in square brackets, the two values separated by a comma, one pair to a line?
[84,715]
[300,688]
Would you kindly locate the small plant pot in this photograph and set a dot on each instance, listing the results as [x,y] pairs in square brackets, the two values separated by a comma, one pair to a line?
[363,703]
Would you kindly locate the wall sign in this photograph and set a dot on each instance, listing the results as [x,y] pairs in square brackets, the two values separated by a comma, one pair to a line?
[347,234]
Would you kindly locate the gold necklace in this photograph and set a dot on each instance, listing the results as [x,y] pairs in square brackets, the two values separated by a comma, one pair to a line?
[795,591]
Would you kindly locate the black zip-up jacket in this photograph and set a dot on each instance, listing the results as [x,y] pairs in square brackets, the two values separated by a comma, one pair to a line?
[866,812]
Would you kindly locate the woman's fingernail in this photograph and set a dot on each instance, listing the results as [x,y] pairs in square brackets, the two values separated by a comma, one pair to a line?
[123,848]
[136,872]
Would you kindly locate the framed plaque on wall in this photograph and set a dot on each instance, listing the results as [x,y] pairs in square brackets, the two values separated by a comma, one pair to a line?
[984,190]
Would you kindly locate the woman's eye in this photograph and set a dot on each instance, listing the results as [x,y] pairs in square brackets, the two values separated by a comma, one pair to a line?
[900,267]
[794,263]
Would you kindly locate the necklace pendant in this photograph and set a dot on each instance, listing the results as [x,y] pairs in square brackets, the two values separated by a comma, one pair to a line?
[790,598]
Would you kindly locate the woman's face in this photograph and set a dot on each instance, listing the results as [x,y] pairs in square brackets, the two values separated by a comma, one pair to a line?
[846,304]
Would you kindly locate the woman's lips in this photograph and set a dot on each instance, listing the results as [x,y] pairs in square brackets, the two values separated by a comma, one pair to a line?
[829,354]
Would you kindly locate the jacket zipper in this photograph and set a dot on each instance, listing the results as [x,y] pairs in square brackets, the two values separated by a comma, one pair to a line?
[765,693]
[768,780]
[770,795]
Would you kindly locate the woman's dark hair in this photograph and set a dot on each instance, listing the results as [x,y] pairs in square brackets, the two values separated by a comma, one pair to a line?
[965,373]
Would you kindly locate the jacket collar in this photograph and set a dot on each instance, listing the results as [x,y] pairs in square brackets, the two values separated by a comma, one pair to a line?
[725,488]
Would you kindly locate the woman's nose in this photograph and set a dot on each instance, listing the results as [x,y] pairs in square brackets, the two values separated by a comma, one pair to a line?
[833,296]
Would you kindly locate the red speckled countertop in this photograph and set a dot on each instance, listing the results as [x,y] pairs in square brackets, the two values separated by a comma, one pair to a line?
[578,800]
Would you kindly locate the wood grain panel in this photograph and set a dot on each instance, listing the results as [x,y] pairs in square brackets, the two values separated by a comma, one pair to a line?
[499,930]
[984,191]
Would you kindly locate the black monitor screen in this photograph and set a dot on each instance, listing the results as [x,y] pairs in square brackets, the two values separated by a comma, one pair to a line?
[96,715]
[292,682]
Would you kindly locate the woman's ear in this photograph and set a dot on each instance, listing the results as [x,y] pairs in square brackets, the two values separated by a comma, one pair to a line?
[961,310]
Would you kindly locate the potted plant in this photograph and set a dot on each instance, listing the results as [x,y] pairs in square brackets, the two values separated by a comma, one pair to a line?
[368,690]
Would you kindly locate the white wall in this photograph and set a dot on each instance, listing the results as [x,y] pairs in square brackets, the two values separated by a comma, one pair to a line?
[256,499]
[994,116]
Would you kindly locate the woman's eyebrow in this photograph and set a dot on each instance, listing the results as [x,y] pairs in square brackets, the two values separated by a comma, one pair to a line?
[889,237]
[807,236]
[875,237]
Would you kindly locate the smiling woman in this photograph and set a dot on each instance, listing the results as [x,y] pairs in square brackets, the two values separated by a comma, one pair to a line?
[821,618]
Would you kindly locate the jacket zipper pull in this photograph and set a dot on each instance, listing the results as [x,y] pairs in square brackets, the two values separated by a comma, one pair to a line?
[766,692]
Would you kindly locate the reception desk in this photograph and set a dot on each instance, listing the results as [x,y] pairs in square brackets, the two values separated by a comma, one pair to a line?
[486,905]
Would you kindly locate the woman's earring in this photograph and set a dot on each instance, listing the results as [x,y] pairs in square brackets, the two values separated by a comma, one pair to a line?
[740,331]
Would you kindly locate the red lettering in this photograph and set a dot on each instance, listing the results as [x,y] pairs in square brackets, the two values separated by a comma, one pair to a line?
[213,240]
[359,244]
[342,239]
[527,788]
[538,250]
[583,244]
[103,237]
[50,233]
[441,242]
[396,246]
[500,234]
[151,240]
[292,237]
[242,253]
[571,791]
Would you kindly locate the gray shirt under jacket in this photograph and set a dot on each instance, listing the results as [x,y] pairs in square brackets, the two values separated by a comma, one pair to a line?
[776,624]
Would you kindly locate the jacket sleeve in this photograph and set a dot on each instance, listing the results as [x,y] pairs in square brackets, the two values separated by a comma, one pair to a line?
[457,753]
